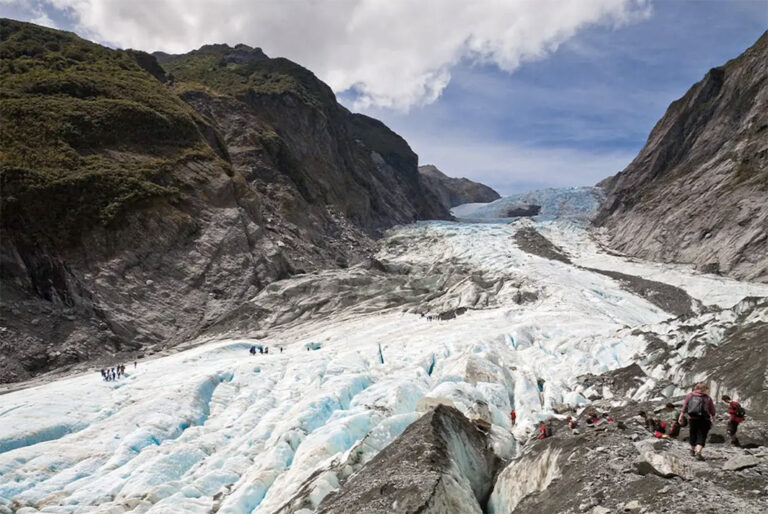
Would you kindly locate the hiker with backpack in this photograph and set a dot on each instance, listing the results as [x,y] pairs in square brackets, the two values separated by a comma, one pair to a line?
[736,415]
[700,410]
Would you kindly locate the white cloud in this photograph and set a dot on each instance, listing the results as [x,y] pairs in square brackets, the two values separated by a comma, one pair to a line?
[41,18]
[393,53]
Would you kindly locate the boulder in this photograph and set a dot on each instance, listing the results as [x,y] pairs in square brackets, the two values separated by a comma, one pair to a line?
[740,462]
[441,463]
[664,465]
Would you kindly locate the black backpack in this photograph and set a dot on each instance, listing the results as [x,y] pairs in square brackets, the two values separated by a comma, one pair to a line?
[739,411]
[697,407]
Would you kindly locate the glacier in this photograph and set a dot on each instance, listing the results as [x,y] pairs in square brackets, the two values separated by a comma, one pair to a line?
[214,428]
[576,203]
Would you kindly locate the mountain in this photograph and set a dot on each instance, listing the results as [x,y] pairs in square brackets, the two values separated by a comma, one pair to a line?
[451,192]
[697,191]
[144,197]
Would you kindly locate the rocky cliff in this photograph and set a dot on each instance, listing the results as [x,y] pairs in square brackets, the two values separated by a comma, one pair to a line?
[145,197]
[697,191]
[454,191]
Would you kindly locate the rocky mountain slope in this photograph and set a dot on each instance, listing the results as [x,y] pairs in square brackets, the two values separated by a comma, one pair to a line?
[697,191]
[454,191]
[142,199]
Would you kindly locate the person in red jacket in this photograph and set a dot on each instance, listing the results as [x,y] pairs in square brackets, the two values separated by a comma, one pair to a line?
[513,416]
[735,416]
[700,409]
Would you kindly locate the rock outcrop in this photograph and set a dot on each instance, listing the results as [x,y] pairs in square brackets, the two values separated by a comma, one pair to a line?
[621,467]
[450,191]
[441,463]
[143,199]
[696,192]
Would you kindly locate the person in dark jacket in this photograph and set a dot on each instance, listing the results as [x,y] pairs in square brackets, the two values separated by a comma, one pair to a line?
[735,416]
[700,409]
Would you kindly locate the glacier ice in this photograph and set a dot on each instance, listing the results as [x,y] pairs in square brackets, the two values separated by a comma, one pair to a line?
[213,426]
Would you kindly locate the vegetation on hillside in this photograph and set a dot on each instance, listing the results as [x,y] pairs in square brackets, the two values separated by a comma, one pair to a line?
[242,71]
[87,132]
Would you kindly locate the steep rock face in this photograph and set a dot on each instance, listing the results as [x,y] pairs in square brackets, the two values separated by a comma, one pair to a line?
[441,463]
[283,125]
[697,190]
[142,202]
[454,191]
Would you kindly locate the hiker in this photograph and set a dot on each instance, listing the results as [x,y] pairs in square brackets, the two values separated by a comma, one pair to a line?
[660,429]
[736,415]
[513,416]
[543,430]
[261,350]
[266,349]
[573,424]
[134,364]
[648,422]
[700,409]
[607,418]
[281,349]
[252,350]
[673,415]
[592,419]
[540,384]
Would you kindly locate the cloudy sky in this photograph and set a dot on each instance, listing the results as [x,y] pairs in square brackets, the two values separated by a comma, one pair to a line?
[519,94]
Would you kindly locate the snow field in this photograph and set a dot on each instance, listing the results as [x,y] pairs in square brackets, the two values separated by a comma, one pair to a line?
[216,427]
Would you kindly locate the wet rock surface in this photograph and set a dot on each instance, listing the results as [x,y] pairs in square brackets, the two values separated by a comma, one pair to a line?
[441,463]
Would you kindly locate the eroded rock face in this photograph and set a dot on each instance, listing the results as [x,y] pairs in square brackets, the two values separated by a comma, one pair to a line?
[278,179]
[454,191]
[441,463]
[697,191]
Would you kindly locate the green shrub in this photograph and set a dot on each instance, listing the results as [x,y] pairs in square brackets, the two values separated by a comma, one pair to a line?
[86,133]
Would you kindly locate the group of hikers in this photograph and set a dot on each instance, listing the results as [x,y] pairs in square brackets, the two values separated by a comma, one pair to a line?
[115,372]
[261,349]
[697,413]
